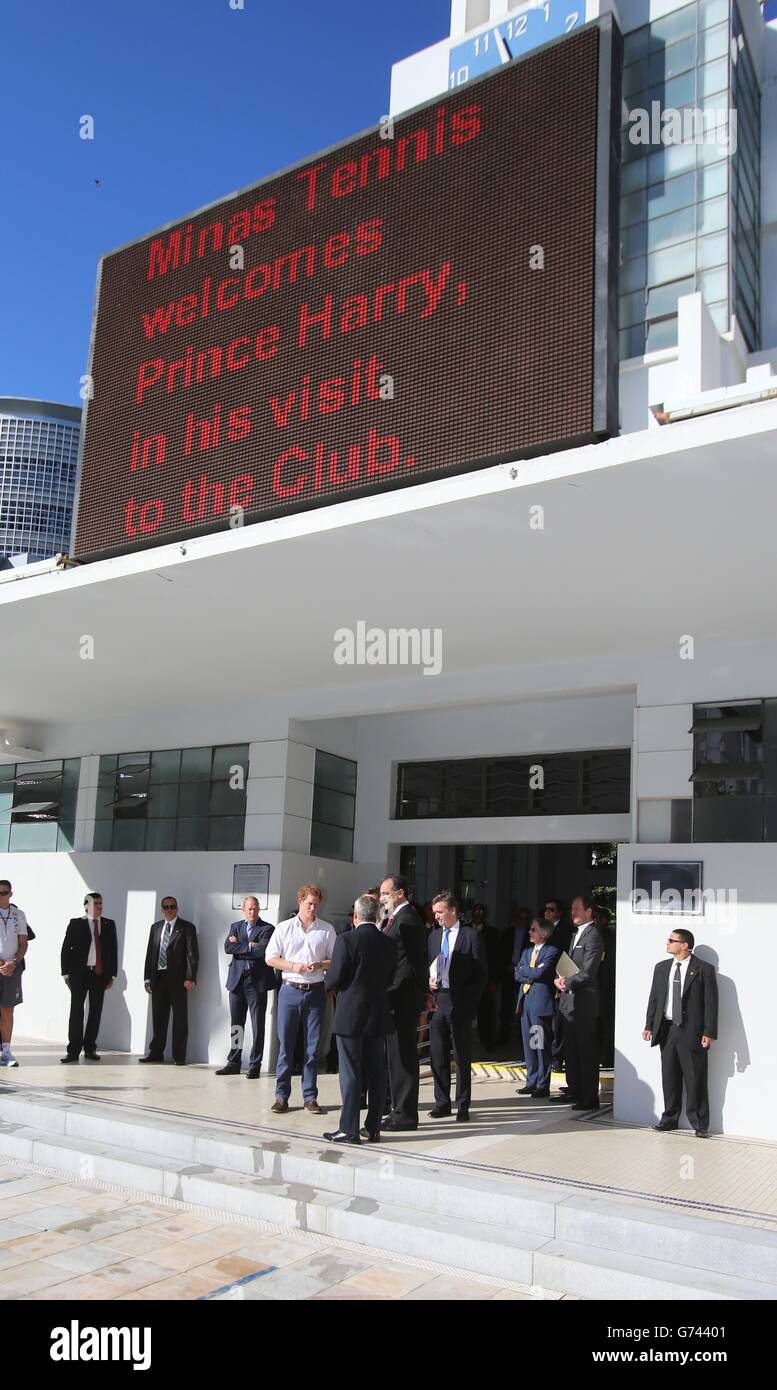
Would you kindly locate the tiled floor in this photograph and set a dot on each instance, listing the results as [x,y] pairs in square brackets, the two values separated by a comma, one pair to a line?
[732,1179]
[68,1240]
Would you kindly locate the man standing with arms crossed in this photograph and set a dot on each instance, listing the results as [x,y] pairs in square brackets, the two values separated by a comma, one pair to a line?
[248,982]
[13,945]
[301,947]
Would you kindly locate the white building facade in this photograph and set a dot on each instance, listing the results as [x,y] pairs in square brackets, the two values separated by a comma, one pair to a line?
[600,663]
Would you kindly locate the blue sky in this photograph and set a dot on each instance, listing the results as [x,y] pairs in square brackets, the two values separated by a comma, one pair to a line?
[190,101]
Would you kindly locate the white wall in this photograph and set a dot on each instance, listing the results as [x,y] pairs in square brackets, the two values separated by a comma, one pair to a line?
[738,938]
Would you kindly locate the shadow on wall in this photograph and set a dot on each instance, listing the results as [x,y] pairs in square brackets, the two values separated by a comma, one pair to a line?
[730,1054]
[627,1079]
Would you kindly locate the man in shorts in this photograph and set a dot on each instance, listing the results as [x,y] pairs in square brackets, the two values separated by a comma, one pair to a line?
[13,945]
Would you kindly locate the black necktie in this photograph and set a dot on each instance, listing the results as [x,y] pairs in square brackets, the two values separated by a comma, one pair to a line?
[677,997]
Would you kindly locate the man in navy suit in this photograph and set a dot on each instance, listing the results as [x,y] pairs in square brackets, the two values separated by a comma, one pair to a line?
[90,964]
[458,975]
[535,973]
[248,982]
[363,964]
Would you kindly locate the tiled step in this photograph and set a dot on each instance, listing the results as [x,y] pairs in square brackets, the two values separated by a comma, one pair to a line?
[534,1233]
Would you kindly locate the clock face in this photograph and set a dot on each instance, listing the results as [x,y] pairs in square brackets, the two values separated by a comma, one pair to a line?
[512,38]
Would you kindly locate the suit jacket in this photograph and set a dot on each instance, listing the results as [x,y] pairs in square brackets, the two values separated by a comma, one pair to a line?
[700,1002]
[246,959]
[539,1002]
[183,956]
[364,962]
[563,935]
[580,1002]
[468,970]
[409,934]
[78,941]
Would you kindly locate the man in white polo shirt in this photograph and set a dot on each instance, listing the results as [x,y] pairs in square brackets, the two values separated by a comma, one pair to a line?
[301,947]
[13,945]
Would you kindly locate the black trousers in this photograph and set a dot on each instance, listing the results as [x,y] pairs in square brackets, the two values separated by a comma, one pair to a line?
[242,1000]
[451,1030]
[557,1050]
[402,1054]
[681,1063]
[167,994]
[362,1067]
[84,984]
[581,1054]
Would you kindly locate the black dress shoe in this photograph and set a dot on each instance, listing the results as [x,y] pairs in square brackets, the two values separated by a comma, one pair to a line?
[339,1136]
[525,1091]
[228,1071]
[562,1100]
[439,1112]
[155,1061]
[578,1105]
[180,1064]
[372,1136]
[540,1095]
[663,1129]
[395,1123]
[253,1073]
[701,1133]
[462,1115]
[65,1060]
[93,1057]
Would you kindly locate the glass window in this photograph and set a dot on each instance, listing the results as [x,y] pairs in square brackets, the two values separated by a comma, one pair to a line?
[163,801]
[668,62]
[633,208]
[166,765]
[712,12]
[712,180]
[160,834]
[226,832]
[663,298]
[633,176]
[632,274]
[675,159]
[668,197]
[677,226]
[329,842]
[631,308]
[193,798]
[196,764]
[334,806]
[671,264]
[713,77]
[712,251]
[714,285]
[661,334]
[713,43]
[339,774]
[634,241]
[192,833]
[679,24]
[712,215]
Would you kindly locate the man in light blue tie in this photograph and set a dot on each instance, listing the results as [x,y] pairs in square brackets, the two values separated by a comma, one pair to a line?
[457,977]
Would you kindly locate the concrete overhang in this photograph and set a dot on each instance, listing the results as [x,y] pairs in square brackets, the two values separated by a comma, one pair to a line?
[644,539]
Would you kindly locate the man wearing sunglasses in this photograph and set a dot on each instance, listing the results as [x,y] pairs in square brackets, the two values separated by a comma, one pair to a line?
[13,945]
[172,959]
[682,1018]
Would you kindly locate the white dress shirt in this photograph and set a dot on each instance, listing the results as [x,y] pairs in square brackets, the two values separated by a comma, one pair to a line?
[93,922]
[578,933]
[683,964]
[292,941]
[443,982]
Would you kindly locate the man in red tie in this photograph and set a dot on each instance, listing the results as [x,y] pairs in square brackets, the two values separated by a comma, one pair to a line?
[90,963]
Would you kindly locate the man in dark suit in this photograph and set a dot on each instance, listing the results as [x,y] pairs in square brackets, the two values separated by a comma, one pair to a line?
[579,1009]
[248,982]
[561,937]
[535,974]
[364,962]
[407,995]
[90,963]
[458,975]
[682,1018]
[172,958]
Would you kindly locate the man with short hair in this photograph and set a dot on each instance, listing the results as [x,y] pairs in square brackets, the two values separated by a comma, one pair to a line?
[363,965]
[89,961]
[301,947]
[13,946]
[682,1018]
[172,961]
[457,978]
[248,981]
[535,973]
[407,993]
[579,1010]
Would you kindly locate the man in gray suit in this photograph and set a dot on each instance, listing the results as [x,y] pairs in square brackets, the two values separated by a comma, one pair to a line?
[579,1010]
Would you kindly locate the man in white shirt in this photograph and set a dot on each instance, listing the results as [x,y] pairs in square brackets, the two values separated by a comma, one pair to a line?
[301,948]
[13,945]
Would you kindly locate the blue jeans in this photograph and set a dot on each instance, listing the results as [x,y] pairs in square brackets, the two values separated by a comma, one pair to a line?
[295,1007]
